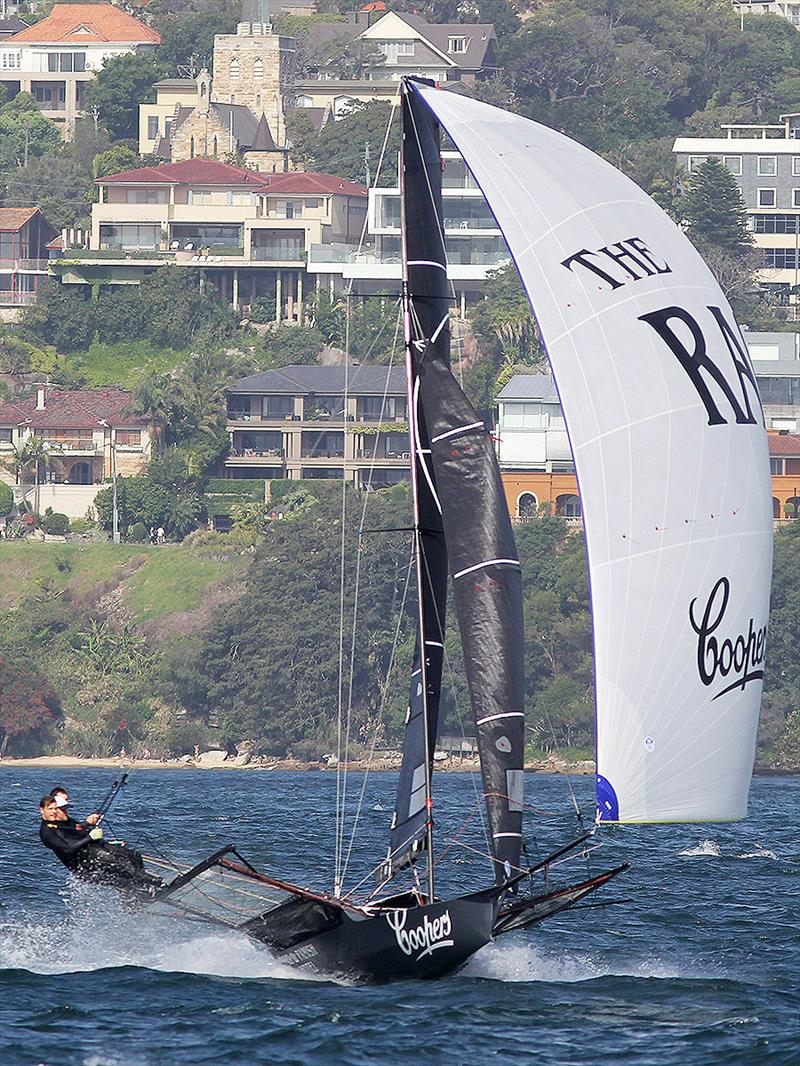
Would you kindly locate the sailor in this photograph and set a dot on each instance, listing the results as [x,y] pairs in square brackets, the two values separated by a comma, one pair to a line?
[83,851]
[61,796]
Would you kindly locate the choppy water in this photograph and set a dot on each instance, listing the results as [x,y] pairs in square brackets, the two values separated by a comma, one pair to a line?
[702,966]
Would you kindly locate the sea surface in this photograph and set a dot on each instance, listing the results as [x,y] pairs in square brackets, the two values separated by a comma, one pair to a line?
[701,965]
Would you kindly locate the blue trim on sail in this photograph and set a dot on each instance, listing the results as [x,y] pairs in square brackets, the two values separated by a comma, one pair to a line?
[607,802]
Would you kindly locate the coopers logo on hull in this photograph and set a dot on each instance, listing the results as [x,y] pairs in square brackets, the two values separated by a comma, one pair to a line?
[741,655]
[424,938]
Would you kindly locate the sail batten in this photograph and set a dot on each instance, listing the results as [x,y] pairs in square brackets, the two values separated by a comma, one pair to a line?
[664,420]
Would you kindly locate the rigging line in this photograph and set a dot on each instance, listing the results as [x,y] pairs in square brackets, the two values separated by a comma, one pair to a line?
[354,630]
[341,776]
[379,718]
[342,863]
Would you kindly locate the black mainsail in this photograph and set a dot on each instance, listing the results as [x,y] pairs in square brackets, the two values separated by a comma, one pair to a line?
[461,513]
[427,298]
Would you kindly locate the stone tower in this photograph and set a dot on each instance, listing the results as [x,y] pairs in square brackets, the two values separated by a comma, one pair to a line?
[254,67]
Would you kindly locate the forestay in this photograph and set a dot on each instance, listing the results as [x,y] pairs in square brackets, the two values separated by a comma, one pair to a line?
[667,433]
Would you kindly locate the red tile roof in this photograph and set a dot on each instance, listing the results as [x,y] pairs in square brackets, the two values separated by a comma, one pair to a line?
[73,410]
[14,218]
[190,171]
[784,444]
[299,181]
[86,24]
[212,172]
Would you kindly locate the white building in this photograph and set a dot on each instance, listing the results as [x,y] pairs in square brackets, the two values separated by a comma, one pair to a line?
[54,59]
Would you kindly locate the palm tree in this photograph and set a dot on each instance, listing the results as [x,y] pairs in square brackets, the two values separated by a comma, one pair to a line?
[31,453]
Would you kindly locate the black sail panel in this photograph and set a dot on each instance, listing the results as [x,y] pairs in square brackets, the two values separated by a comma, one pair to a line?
[429,290]
[487,585]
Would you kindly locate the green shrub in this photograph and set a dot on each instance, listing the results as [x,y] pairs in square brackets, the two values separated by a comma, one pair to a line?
[6,499]
[138,533]
[80,525]
[55,524]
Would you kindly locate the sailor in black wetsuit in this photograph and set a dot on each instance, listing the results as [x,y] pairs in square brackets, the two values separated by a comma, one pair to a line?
[83,851]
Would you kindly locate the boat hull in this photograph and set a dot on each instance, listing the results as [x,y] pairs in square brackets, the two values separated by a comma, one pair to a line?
[426,941]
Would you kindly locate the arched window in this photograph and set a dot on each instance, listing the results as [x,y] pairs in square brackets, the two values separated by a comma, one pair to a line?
[776,508]
[526,505]
[216,146]
[233,70]
[203,88]
[80,474]
[191,147]
[792,507]
[568,506]
[258,69]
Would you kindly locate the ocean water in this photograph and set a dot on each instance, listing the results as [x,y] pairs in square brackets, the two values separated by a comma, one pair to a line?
[700,966]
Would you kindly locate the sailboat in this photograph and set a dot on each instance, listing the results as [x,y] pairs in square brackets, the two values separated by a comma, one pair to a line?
[670,449]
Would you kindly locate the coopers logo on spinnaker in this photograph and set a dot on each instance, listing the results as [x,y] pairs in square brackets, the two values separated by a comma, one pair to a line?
[741,655]
[426,937]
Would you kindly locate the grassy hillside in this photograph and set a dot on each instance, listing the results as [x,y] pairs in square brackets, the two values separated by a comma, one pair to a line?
[149,582]
[124,364]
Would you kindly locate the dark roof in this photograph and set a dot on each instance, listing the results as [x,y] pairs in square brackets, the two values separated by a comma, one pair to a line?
[480,37]
[325,381]
[238,118]
[319,115]
[11,25]
[163,148]
[263,140]
[79,409]
[530,387]
[784,444]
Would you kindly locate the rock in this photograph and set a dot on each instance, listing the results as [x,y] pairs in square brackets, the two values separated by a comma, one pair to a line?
[212,758]
[242,759]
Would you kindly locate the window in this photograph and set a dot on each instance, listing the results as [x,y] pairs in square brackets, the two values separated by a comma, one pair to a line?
[733,163]
[780,259]
[258,69]
[795,197]
[277,406]
[767,166]
[129,438]
[167,127]
[66,61]
[456,45]
[191,155]
[216,146]
[130,236]
[233,70]
[695,162]
[152,127]
[146,196]
[240,199]
[526,505]
[200,197]
[776,466]
[5,436]
[9,60]
[766,198]
[775,224]
[393,49]
[313,205]
[796,166]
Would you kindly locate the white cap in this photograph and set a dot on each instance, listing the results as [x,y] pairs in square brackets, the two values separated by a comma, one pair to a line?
[61,801]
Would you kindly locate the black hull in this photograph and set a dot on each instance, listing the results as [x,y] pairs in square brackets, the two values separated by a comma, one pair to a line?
[420,942]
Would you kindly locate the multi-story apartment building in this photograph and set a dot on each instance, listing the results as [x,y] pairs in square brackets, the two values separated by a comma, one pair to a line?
[788,9]
[297,423]
[24,234]
[473,240]
[248,233]
[765,160]
[54,59]
[776,361]
[536,461]
[86,437]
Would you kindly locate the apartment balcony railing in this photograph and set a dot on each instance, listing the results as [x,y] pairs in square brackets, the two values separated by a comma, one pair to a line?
[17,299]
[23,264]
[313,453]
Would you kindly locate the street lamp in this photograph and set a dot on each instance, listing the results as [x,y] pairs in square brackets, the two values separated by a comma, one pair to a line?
[115,502]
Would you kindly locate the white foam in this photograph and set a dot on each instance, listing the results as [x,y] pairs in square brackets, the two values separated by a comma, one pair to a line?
[758,852]
[124,937]
[515,961]
[706,848]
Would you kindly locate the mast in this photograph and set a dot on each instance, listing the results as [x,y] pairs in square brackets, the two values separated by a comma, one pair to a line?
[425,304]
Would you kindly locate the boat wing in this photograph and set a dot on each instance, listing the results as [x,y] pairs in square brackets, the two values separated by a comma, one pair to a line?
[216,889]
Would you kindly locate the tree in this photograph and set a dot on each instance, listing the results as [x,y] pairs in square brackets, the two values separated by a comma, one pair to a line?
[713,210]
[187,40]
[25,133]
[62,316]
[6,499]
[29,706]
[114,160]
[116,91]
[353,144]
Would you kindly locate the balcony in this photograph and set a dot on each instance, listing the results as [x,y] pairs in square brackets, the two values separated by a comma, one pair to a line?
[8,265]
[17,299]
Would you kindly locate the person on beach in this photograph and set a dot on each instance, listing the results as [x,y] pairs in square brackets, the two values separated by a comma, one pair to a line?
[86,854]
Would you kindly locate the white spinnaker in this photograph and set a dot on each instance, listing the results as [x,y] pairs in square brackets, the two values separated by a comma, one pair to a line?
[678,511]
